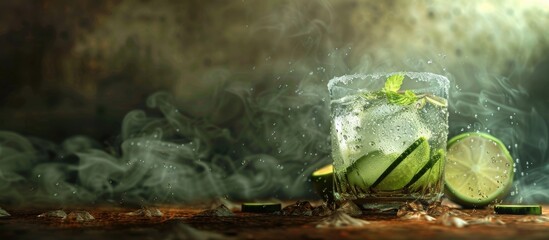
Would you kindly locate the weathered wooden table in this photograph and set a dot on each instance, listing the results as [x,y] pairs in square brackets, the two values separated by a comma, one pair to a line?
[181,222]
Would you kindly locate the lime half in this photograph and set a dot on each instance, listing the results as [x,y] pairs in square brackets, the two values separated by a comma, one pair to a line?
[479,169]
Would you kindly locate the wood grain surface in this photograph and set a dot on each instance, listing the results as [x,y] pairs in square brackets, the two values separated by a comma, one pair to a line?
[181,222]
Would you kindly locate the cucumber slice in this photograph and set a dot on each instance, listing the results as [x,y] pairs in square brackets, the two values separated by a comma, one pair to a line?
[402,169]
[518,209]
[261,207]
[367,169]
[429,173]
[323,182]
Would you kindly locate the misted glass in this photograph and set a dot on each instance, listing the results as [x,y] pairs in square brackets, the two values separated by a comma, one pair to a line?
[389,134]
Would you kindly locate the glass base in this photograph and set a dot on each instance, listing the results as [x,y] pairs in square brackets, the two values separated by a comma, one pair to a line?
[382,206]
[390,205]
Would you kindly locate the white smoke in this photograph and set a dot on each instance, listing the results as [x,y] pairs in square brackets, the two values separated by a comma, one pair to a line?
[263,140]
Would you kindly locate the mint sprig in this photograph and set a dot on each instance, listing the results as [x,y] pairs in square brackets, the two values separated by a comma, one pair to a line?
[394,95]
[393,83]
[391,90]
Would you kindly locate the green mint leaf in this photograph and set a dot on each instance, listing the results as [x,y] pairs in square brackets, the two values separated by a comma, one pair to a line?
[393,83]
[373,95]
[406,98]
[410,95]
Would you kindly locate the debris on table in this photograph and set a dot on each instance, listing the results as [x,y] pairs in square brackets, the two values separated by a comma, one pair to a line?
[422,215]
[79,216]
[53,214]
[438,209]
[220,211]
[179,230]
[300,208]
[487,220]
[350,208]
[533,219]
[414,211]
[448,220]
[3,213]
[146,212]
[223,201]
[340,219]
[448,203]
[322,211]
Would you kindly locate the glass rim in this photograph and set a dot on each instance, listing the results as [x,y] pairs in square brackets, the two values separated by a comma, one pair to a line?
[421,76]
[436,81]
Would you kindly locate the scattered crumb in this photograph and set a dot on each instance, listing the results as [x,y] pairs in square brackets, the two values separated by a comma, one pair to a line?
[220,211]
[55,213]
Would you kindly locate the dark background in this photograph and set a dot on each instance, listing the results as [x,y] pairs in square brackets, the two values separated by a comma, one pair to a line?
[78,67]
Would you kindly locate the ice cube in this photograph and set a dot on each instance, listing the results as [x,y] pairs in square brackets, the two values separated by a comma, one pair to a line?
[392,127]
[79,216]
[364,126]
[54,214]
[339,219]
[146,212]
[220,211]
[3,213]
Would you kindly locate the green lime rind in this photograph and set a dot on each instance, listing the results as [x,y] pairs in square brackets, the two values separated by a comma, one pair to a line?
[261,207]
[404,167]
[455,176]
[431,176]
[323,182]
[518,209]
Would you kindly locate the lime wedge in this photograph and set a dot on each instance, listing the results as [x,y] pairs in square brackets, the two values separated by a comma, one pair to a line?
[430,173]
[478,171]
[402,170]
